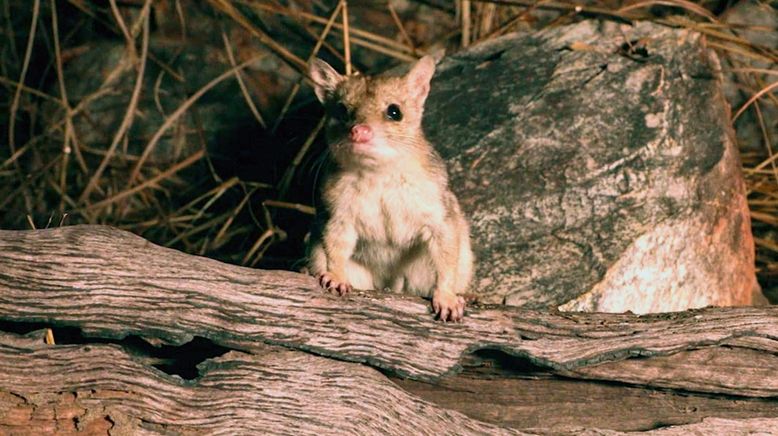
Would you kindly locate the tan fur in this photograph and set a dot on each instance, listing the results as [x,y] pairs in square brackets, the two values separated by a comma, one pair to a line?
[391,220]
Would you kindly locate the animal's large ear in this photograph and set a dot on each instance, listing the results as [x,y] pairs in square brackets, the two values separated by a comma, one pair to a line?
[419,77]
[325,78]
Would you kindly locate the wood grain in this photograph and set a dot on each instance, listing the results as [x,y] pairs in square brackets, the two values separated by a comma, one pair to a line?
[111,283]
[99,390]
[549,404]
[93,389]
[302,358]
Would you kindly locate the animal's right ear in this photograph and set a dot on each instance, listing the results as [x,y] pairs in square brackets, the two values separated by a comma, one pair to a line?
[325,78]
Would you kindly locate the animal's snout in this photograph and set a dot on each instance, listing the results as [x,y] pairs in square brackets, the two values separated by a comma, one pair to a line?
[361,133]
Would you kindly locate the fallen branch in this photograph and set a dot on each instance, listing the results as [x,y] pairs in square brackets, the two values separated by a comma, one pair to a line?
[112,284]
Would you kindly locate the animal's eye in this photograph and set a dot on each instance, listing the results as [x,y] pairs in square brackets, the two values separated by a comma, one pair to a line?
[393,112]
[339,111]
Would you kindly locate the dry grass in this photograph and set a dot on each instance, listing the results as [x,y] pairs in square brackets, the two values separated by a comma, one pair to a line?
[51,175]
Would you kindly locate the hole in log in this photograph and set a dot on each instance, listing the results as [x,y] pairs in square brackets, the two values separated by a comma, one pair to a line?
[512,391]
[493,361]
[180,360]
[558,405]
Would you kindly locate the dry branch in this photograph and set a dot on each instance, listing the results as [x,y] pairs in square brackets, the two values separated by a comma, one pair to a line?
[111,283]
[97,389]
[237,394]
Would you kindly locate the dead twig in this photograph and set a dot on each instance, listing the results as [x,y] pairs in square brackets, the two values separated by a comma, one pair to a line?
[180,111]
[129,114]
[239,79]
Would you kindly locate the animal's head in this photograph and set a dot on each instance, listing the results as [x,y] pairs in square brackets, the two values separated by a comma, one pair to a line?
[374,121]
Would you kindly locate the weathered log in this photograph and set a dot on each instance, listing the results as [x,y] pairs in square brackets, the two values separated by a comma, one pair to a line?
[276,390]
[96,389]
[112,284]
[541,403]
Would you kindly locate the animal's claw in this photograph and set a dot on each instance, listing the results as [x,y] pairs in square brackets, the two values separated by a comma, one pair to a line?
[448,306]
[329,282]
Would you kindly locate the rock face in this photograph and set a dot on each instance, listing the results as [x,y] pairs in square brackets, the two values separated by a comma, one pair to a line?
[598,169]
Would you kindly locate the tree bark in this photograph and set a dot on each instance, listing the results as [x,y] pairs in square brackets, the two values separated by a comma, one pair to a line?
[274,390]
[111,284]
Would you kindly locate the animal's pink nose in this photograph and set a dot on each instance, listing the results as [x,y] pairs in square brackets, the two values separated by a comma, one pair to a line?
[361,133]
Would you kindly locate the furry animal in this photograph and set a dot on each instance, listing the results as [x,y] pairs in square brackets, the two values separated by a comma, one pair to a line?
[389,218]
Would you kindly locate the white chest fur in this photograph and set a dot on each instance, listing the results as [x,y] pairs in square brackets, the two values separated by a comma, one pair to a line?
[390,212]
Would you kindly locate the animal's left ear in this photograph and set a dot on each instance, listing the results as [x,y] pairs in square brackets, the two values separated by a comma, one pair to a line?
[419,77]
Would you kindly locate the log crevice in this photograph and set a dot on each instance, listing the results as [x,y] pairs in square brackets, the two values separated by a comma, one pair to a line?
[236,393]
[112,285]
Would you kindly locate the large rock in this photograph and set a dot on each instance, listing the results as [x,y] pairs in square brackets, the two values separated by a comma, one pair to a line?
[597,166]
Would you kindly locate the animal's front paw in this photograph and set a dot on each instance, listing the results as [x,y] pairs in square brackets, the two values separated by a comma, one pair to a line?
[448,306]
[331,283]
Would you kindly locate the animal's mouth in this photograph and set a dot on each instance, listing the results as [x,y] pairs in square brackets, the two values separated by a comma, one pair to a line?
[365,147]
[371,151]
[362,147]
